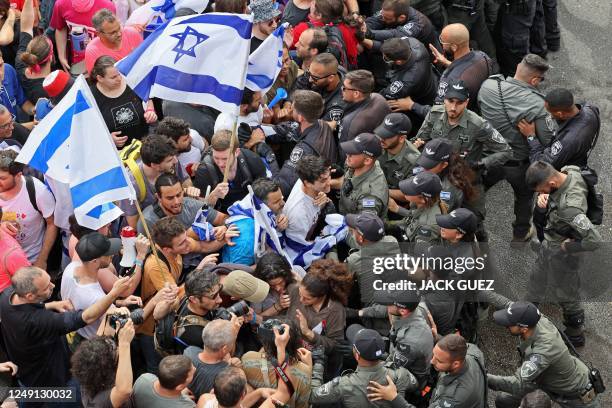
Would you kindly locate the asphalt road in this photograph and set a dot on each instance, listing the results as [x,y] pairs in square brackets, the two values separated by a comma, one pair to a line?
[582,65]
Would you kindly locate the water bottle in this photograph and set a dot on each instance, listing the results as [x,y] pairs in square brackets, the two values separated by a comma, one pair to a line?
[128,240]
[78,37]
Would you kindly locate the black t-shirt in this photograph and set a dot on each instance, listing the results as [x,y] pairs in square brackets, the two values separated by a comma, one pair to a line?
[35,340]
[9,51]
[204,377]
[32,87]
[237,187]
[255,43]
[20,133]
[294,15]
[124,113]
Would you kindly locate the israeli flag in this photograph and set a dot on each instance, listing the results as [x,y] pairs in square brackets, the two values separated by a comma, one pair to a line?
[72,145]
[193,59]
[266,62]
[266,235]
[203,229]
[160,11]
[303,254]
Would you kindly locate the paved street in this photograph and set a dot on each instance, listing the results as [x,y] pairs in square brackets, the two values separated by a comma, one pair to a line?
[583,66]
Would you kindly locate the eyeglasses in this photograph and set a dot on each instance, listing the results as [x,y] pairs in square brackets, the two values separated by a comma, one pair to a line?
[112,33]
[317,78]
[442,42]
[344,88]
[8,124]
[213,296]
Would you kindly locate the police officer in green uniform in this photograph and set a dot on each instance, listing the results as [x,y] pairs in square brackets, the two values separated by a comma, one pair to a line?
[567,231]
[364,187]
[411,338]
[505,103]
[436,158]
[369,233]
[350,389]
[546,361]
[419,222]
[472,137]
[399,155]
[462,380]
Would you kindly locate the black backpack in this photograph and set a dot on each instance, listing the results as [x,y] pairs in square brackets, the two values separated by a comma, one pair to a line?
[171,327]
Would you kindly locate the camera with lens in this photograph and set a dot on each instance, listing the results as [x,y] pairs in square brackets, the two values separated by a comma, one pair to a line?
[239,309]
[117,320]
[266,329]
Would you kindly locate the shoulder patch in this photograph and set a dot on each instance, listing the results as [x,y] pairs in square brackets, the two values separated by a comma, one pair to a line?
[296,154]
[582,221]
[336,113]
[396,86]
[408,28]
[442,86]
[556,148]
[528,369]
[535,358]
[497,137]
[368,203]
[444,403]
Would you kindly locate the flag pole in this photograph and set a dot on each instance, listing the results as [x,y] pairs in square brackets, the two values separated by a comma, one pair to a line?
[152,243]
[232,155]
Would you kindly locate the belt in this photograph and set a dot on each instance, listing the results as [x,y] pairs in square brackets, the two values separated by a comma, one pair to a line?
[516,163]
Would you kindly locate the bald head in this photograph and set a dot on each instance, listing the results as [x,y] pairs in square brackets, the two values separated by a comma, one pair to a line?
[456,34]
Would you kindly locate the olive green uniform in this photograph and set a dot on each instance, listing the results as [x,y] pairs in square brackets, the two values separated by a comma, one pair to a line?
[399,167]
[419,224]
[411,345]
[350,389]
[367,192]
[565,220]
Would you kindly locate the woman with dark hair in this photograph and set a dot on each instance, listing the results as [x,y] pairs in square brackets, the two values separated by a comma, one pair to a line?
[121,108]
[34,56]
[103,369]
[317,304]
[259,365]
[423,193]
[276,271]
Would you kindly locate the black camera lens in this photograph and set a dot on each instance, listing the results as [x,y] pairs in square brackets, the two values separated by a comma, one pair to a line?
[239,309]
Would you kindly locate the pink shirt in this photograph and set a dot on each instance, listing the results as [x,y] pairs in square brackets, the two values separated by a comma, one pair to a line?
[12,258]
[130,39]
[65,16]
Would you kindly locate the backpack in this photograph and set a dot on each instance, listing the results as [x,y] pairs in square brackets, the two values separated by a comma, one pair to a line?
[171,327]
[129,156]
[595,202]
[336,45]
[207,161]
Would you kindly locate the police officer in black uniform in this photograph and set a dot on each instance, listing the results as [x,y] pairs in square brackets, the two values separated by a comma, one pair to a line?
[409,73]
[576,134]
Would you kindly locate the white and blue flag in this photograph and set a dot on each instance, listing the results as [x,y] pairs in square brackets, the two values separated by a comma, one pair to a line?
[193,59]
[266,62]
[72,145]
[157,12]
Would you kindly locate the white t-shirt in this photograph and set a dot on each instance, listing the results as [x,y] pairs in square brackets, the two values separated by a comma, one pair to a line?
[302,213]
[81,296]
[32,225]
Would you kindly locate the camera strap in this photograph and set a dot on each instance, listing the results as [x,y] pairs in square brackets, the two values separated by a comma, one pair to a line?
[281,374]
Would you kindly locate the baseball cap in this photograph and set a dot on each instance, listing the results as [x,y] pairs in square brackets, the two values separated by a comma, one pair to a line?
[521,313]
[368,224]
[369,344]
[424,183]
[393,125]
[457,90]
[461,219]
[435,151]
[243,285]
[395,297]
[95,245]
[365,143]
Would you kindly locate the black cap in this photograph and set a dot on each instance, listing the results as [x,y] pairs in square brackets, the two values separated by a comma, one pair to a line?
[521,313]
[393,125]
[435,151]
[368,224]
[424,183]
[457,90]
[95,245]
[441,268]
[461,219]
[369,344]
[398,297]
[365,143]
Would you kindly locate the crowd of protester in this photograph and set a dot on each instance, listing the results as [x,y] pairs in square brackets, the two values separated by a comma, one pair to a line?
[399,116]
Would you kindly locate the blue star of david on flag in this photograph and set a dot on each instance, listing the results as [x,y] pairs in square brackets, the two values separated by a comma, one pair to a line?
[182,37]
[167,8]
